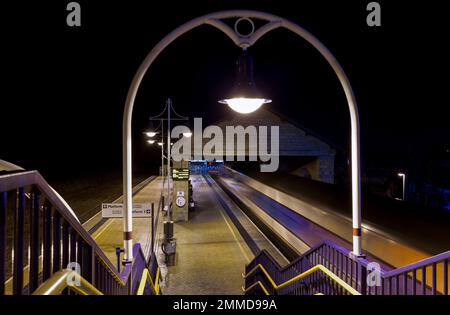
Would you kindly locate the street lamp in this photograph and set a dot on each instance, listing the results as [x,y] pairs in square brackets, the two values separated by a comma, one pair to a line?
[168,114]
[403,176]
[272,22]
[151,131]
[245,98]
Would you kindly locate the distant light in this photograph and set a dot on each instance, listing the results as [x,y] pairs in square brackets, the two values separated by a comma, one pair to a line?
[187,134]
[160,143]
[245,105]
[151,141]
[150,134]
[401,174]
[171,143]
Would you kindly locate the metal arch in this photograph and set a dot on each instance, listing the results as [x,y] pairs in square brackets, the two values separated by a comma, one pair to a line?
[236,30]
[273,23]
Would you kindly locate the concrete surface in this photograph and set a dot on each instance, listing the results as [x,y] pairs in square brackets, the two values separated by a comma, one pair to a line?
[211,254]
[110,234]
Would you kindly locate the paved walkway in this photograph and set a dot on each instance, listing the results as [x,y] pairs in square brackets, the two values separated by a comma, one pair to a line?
[211,255]
[110,234]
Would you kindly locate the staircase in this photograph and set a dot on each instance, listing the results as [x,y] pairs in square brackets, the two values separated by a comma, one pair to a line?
[332,270]
[40,236]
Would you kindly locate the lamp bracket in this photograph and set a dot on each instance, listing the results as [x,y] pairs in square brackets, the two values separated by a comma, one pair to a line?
[244,40]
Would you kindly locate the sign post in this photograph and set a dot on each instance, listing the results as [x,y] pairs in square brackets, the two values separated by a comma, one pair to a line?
[180,177]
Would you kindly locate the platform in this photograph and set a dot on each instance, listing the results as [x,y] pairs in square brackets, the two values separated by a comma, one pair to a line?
[110,234]
[211,254]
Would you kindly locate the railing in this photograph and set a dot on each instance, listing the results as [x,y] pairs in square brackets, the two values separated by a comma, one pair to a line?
[325,275]
[428,276]
[148,284]
[354,271]
[45,237]
[64,279]
[331,256]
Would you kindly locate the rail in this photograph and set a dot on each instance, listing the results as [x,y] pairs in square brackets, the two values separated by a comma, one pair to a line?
[432,280]
[64,279]
[147,279]
[427,276]
[317,268]
[46,237]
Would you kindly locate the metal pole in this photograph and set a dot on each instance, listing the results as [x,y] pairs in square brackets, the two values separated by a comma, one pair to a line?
[169,108]
[162,152]
[404,186]
[274,22]
[152,242]
[118,251]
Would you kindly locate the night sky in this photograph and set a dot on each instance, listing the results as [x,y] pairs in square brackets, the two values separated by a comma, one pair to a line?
[64,88]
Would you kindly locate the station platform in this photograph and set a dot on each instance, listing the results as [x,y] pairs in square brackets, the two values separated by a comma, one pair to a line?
[109,235]
[211,254]
[222,239]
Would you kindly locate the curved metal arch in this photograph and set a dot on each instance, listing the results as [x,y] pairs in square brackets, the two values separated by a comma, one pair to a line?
[273,23]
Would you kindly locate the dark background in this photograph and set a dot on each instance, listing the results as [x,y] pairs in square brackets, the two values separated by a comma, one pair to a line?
[63,88]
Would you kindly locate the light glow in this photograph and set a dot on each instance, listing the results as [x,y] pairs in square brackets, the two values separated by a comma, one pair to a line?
[160,143]
[245,105]
[150,134]
[151,141]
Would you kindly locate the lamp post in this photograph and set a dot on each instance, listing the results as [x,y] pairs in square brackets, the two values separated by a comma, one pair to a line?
[169,109]
[152,132]
[244,41]
[403,176]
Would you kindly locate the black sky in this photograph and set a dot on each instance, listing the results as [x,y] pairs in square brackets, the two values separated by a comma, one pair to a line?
[64,89]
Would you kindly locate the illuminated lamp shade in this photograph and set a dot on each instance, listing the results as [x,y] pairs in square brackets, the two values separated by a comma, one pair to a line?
[245,98]
[150,134]
[151,130]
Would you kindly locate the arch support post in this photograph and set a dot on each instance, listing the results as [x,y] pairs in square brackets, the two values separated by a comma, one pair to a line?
[274,22]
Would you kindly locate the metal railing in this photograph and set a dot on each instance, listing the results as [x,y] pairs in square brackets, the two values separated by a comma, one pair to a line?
[64,279]
[433,277]
[45,237]
[325,274]
[146,279]
[427,276]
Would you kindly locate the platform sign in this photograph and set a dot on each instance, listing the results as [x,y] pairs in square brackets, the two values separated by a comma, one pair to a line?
[180,174]
[115,210]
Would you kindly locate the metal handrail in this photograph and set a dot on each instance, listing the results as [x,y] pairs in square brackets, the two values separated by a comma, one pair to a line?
[257,283]
[404,280]
[147,278]
[62,227]
[424,262]
[316,268]
[13,181]
[60,281]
